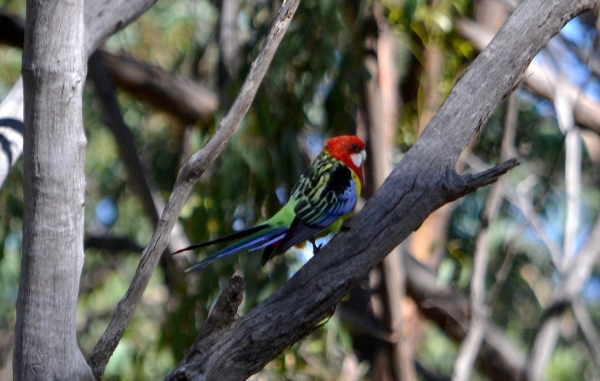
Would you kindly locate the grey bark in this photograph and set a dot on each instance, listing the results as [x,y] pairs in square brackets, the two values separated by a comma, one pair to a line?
[54,145]
[53,69]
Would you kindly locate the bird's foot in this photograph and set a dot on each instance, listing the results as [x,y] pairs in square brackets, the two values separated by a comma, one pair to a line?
[316,248]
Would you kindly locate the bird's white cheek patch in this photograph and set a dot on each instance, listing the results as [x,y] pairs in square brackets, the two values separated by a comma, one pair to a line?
[357,158]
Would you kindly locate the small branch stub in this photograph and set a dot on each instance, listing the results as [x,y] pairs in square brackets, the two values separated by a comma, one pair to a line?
[459,186]
[222,316]
[224,313]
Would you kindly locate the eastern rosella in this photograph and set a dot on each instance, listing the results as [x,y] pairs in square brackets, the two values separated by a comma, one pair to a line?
[323,198]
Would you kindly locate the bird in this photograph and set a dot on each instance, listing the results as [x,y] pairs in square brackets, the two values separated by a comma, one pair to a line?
[322,199]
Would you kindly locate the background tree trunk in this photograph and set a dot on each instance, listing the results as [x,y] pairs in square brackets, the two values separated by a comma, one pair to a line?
[54,144]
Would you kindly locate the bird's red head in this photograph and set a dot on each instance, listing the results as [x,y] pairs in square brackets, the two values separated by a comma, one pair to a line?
[349,149]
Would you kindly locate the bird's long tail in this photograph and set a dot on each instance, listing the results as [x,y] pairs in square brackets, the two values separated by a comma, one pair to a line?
[254,238]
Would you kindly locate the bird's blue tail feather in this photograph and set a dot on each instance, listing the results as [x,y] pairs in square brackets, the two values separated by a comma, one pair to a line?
[270,242]
[256,241]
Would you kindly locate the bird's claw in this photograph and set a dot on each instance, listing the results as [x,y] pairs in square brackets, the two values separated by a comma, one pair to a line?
[316,248]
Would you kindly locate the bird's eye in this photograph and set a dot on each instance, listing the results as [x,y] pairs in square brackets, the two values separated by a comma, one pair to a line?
[355,147]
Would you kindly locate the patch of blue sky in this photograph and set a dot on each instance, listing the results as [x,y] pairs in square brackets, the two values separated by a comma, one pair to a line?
[546,109]
[106,212]
[561,59]
[591,290]
[582,36]
[579,33]
[577,71]
[592,88]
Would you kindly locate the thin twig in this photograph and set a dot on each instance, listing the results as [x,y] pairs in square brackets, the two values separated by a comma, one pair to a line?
[507,150]
[547,337]
[525,205]
[186,179]
[224,313]
[504,270]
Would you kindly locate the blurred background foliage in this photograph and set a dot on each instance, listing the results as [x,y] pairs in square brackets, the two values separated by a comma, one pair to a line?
[316,87]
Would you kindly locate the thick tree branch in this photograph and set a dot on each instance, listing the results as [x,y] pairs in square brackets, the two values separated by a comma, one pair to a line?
[243,351]
[188,175]
[422,182]
[54,70]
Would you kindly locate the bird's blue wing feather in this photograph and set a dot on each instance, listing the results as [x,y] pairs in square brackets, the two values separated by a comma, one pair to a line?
[321,201]
[332,197]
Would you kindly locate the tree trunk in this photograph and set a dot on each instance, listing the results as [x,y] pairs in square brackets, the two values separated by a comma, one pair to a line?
[54,149]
